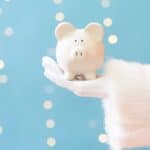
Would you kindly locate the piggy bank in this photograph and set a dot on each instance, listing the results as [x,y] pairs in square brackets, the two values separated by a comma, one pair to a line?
[79,51]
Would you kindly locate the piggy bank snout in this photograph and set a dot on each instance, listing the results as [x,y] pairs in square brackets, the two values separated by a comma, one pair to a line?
[79,53]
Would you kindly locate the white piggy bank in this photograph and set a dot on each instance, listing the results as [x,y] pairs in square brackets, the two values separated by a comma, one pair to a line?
[79,51]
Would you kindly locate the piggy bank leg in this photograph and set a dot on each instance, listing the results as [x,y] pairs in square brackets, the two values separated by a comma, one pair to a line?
[69,75]
[90,76]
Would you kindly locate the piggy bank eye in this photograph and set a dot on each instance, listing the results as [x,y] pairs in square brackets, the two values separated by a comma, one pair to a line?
[82,41]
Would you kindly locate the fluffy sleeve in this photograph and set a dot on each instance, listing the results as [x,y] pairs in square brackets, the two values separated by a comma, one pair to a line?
[127,109]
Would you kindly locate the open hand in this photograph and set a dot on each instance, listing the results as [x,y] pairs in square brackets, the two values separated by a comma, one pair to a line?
[90,88]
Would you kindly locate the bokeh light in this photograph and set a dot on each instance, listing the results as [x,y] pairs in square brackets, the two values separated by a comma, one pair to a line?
[50,123]
[49,89]
[51,142]
[113,39]
[60,16]
[1,11]
[2,64]
[57,1]
[8,31]
[92,124]
[48,104]
[103,138]
[3,79]
[107,22]
[1,129]
[105,3]
[7,0]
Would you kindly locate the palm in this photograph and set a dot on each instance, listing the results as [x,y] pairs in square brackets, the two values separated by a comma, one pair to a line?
[91,88]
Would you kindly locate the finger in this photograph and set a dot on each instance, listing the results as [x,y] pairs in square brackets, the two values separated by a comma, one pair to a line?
[47,61]
[59,80]
[50,64]
[49,76]
[52,77]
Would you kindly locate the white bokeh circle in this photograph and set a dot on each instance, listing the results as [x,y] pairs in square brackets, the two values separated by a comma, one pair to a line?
[102,138]
[3,79]
[60,16]
[1,129]
[7,0]
[49,89]
[51,142]
[57,1]
[92,123]
[113,39]
[50,123]
[2,64]
[1,11]
[105,3]
[8,31]
[48,104]
[107,22]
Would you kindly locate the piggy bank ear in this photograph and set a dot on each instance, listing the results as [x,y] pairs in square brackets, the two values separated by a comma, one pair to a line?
[96,30]
[63,29]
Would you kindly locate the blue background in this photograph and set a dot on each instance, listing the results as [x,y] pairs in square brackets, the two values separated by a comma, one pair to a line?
[21,100]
